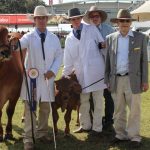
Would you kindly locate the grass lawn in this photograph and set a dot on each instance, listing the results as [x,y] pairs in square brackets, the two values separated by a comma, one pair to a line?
[80,141]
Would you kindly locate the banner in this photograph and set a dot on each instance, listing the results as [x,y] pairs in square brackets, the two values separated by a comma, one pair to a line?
[16,19]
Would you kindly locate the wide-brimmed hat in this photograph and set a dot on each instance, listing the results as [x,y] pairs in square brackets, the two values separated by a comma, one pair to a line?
[73,13]
[102,13]
[123,14]
[39,11]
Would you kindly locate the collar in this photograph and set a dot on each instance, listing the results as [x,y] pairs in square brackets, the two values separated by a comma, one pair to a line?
[39,32]
[99,26]
[80,28]
[130,33]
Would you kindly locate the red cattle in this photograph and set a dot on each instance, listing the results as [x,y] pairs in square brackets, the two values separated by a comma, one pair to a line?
[11,76]
[67,97]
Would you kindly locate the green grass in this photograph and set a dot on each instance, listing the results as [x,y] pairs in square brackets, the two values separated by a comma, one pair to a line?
[76,141]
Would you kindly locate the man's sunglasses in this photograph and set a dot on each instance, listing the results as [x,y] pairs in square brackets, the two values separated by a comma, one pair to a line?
[124,20]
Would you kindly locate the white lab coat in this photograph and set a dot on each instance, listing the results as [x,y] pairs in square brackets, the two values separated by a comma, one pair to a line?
[85,58]
[53,60]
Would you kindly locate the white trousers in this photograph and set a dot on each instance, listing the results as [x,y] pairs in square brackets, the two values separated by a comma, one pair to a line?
[126,126]
[84,116]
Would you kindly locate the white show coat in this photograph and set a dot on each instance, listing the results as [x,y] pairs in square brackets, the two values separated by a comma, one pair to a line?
[85,57]
[53,60]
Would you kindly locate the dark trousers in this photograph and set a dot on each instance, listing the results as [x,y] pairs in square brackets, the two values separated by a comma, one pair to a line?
[109,108]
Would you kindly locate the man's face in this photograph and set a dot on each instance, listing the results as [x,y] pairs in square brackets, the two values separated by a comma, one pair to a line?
[76,21]
[124,25]
[95,18]
[41,22]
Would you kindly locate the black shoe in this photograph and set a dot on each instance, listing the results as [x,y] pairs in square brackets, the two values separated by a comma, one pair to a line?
[81,130]
[96,134]
[109,128]
[116,141]
[135,144]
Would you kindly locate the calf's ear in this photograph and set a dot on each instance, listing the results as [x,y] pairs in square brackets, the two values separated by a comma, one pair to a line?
[56,82]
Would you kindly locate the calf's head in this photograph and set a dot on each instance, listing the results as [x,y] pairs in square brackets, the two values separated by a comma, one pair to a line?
[63,86]
[76,87]
[66,86]
[5,51]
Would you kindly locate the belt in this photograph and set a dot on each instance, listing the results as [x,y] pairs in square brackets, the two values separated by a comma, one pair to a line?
[120,75]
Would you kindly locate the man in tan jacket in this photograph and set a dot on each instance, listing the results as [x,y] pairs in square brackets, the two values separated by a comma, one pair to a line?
[126,74]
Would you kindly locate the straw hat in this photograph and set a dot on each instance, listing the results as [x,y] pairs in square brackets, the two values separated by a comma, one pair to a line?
[73,13]
[39,11]
[102,13]
[123,14]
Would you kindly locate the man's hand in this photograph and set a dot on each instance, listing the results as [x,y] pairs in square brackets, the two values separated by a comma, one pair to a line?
[48,75]
[145,87]
[102,45]
[108,86]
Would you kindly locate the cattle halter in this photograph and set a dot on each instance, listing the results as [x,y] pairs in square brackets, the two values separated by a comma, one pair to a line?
[5,52]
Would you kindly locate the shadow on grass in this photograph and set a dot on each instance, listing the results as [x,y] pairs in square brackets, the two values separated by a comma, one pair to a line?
[126,145]
[80,141]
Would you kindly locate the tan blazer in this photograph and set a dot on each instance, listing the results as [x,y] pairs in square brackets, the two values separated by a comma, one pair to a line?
[138,63]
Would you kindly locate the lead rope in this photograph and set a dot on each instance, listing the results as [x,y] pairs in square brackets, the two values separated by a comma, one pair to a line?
[92,83]
[28,93]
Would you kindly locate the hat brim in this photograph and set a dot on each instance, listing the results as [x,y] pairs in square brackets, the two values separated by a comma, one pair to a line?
[115,20]
[103,15]
[68,18]
[31,16]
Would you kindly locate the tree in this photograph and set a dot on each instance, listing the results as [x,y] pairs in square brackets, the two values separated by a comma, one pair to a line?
[19,6]
[31,4]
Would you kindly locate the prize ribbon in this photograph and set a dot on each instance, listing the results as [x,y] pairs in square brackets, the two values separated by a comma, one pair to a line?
[33,74]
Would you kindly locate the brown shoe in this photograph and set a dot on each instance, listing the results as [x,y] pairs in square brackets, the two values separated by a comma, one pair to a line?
[45,140]
[81,130]
[28,146]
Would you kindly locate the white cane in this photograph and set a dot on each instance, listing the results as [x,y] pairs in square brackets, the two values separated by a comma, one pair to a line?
[50,92]
[49,85]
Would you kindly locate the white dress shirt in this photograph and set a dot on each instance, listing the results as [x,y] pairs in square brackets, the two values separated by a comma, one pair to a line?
[122,53]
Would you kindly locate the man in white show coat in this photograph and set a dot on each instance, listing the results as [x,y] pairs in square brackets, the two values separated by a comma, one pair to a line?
[44,59]
[83,55]
[98,17]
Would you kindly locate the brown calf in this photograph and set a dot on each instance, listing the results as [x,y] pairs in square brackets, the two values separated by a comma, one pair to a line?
[67,97]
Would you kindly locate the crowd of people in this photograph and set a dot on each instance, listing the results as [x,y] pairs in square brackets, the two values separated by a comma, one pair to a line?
[107,63]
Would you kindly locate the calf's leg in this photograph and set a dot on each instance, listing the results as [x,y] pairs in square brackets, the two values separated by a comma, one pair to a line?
[67,118]
[55,117]
[10,111]
[1,129]
[77,121]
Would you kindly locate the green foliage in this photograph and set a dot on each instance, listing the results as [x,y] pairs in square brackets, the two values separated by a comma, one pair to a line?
[31,4]
[19,6]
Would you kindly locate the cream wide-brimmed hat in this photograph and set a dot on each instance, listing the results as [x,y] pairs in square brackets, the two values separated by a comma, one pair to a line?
[123,14]
[39,11]
[102,13]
